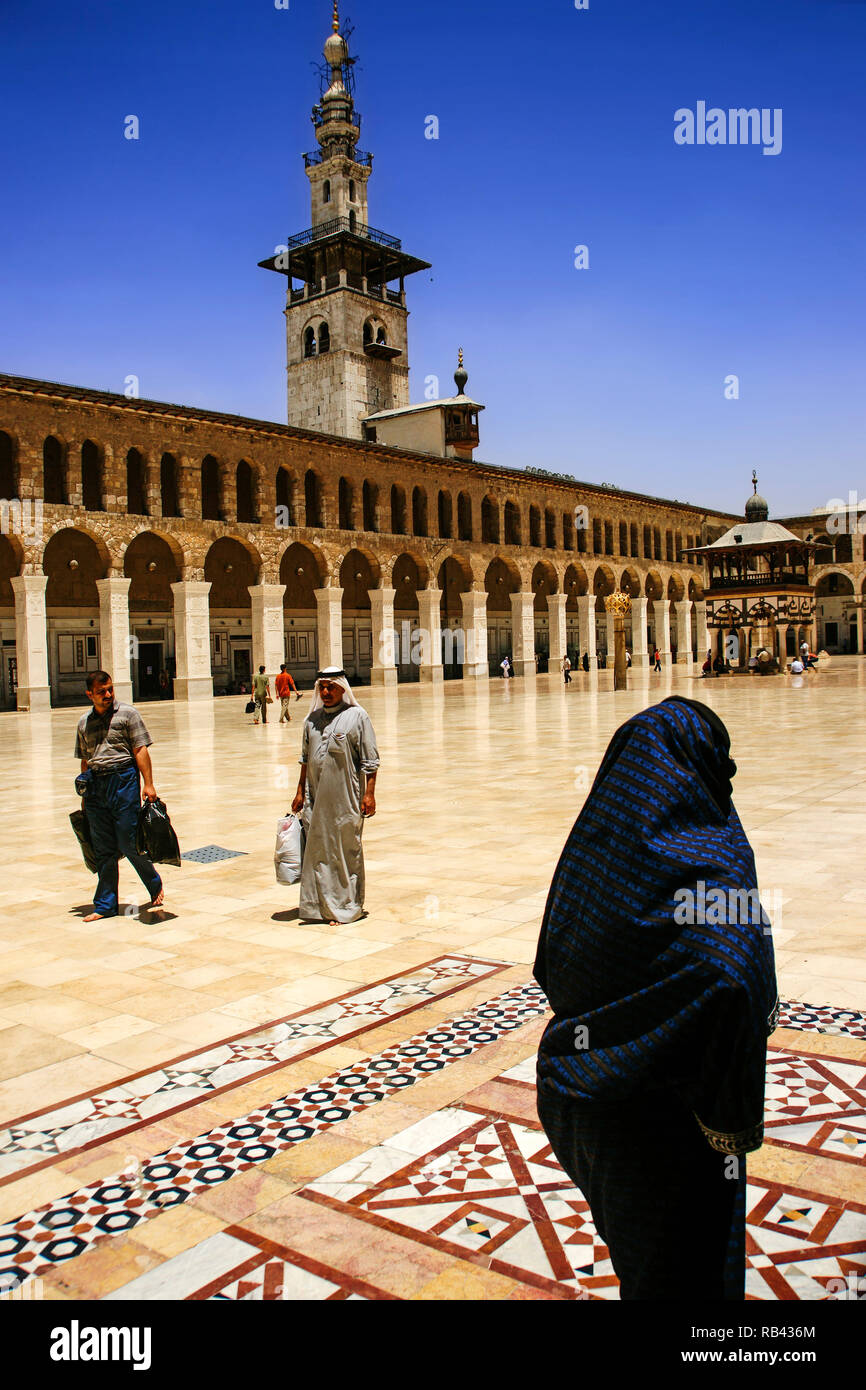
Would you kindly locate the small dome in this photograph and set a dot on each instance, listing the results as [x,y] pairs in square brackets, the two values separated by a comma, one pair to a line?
[335,50]
[757,508]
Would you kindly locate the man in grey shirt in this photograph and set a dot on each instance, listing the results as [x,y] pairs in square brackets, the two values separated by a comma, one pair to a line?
[112,743]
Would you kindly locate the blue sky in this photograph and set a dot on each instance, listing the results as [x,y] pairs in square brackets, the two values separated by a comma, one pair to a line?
[556,129]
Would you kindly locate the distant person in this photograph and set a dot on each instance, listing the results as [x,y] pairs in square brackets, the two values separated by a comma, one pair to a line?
[284,685]
[797,667]
[707,668]
[811,660]
[657,659]
[627,658]
[505,667]
[566,670]
[585,661]
[164,685]
[719,666]
[261,695]
[112,743]
[804,652]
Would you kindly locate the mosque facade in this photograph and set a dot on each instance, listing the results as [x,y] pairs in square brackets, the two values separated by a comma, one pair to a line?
[181,548]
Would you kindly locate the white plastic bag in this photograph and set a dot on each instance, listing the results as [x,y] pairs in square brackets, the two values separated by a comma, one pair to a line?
[289,851]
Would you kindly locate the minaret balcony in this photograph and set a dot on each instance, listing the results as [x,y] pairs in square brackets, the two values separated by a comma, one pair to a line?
[344,224]
[362,157]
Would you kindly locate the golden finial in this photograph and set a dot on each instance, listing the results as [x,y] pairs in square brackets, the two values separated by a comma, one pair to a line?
[336,24]
[460,357]
[618,603]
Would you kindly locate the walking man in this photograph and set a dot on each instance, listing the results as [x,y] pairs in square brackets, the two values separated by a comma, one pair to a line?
[284,685]
[112,743]
[336,791]
[261,695]
[505,667]
[657,659]
[566,670]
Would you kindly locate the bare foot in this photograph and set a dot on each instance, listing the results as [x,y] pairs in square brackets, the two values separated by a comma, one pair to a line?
[94,916]
[159,899]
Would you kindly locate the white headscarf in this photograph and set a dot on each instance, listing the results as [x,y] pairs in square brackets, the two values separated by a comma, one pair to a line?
[336,676]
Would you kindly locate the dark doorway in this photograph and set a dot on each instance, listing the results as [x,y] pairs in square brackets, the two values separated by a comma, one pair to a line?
[149,667]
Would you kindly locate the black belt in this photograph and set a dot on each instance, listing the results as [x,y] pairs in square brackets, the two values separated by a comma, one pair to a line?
[108,771]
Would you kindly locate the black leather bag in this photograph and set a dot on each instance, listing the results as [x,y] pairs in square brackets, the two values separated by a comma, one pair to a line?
[155,835]
[78,821]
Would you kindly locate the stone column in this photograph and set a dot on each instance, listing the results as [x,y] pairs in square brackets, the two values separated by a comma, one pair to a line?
[228,502]
[269,624]
[662,615]
[31,641]
[74,491]
[781,642]
[684,631]
[859,616]
[640,652]
[329,605]
[115,646]
[384,670]
[430,623]
[556,611]
[475,659]
[586,629]
[523,633]
[153,484]
[193,680]
[704,640]
[610,635]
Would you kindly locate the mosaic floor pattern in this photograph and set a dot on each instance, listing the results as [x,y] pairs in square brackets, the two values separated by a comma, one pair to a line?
[34,1140]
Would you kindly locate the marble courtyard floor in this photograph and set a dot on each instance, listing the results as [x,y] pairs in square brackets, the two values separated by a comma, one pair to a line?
[222,1103]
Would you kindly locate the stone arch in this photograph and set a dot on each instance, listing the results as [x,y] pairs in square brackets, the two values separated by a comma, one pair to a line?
[544,581]
[231,566]
[464,516]
[501,580]
[169,486]
[489,520]
[453,578]
[74,559]
[153,563]
[512,523]
[11,561]
[653,587]
[603,582]
[359,572]
[676,588]
[574,584]
[9,471]
[209,481]
[696,590]
[833,583]
[136,483]
[54,474]
[302,570]
[630,582]
[92,477]
[408,575]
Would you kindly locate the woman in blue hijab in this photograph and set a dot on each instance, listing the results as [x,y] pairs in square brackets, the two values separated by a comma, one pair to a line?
[656,958]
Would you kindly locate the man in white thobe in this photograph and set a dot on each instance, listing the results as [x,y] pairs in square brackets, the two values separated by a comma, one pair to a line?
[336,791]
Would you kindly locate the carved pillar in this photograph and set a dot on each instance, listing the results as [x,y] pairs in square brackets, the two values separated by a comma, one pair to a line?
[31,641]
[153,484]
[73,472]
[586,628]
[523,634]
[193,680]
[269,639]
[704,641]
[640,652]
[475,661]
[556,618]
[114,644]
[329,606]
[430,623]
[384,669]
[228,492]
[662,616]
[684,631]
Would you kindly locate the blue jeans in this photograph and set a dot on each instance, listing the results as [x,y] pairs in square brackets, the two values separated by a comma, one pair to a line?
[112,804]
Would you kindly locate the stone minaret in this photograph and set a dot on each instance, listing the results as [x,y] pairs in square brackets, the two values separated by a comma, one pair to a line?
[346,317]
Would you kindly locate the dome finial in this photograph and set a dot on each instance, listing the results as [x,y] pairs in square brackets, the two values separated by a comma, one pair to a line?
[461,376]
[754,481]
[757,508]
[336,21]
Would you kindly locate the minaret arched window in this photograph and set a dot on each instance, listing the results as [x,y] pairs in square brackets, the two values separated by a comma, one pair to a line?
[324,338]
[309,342]
[136,496]
[368,333]
[352,190]
[381,337]
[326,191]
[53,471]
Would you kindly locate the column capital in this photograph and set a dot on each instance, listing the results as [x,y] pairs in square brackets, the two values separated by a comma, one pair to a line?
[191,588]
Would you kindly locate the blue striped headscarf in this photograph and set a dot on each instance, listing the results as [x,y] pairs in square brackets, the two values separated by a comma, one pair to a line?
[655,953]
